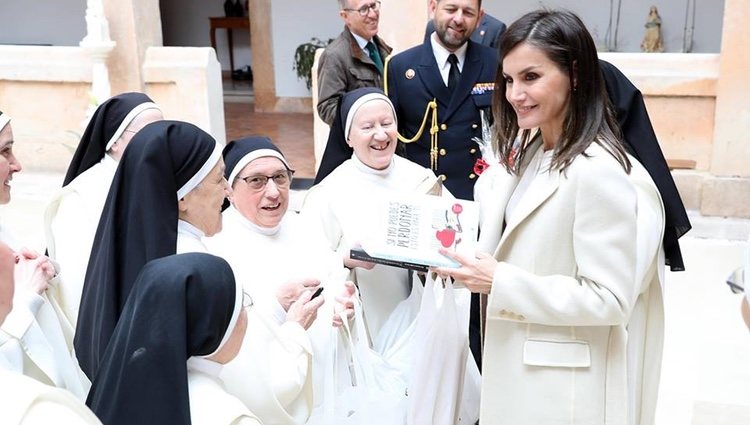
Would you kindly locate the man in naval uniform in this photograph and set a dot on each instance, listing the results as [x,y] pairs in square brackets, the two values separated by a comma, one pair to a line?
[450,79]
[438,90]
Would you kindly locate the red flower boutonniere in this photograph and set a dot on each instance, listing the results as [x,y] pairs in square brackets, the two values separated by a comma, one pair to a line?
[480,166]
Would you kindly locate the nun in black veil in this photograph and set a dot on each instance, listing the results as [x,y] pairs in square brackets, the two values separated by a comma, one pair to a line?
[166,195]
[182,322]
[640,141]
[72,215]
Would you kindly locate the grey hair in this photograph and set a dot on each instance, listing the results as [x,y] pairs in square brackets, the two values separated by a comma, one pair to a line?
[343,4]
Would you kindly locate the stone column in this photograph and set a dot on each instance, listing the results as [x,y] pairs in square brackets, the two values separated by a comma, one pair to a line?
[135,25]
[728,192]
[261,44]
[402,23]
[731,153]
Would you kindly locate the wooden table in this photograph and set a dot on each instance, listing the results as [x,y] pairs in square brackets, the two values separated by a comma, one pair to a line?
[229,23]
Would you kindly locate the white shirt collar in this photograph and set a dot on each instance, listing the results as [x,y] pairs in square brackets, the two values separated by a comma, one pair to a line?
[188,229]
[441,54]
[266,231]
[361,41]
[209,367]
[366,169]
[109,162]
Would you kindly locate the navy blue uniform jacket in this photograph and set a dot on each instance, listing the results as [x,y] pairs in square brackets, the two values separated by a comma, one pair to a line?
[414,80]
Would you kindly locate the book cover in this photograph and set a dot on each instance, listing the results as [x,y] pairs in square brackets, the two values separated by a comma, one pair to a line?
[410,229]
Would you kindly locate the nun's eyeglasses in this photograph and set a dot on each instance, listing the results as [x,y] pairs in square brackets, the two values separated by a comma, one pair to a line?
[247,300]
[257,182]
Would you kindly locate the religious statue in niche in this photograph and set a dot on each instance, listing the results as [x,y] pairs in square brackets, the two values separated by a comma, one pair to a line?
[652,41]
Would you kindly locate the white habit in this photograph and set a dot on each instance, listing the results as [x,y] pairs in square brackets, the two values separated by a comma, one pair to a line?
[34,344]
[71,220]
[210,404]
[272,374]
[341,206]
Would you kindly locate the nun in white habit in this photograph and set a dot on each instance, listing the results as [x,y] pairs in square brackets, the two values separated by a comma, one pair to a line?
[341,205]
[166,195]
[32,340]
[279,262]
[72,216]
[23,400]
[169,374]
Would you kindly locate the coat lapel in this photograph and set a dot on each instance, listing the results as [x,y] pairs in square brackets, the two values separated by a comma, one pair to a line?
[537,193]
[494,198]
[430,75]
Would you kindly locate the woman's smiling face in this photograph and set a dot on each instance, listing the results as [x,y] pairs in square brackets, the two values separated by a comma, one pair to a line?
[9,164]
[373,134]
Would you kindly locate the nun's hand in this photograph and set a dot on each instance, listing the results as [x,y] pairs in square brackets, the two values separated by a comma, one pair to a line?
[304,310]
[345,304]
[476,273]
[290,292]
[33,274]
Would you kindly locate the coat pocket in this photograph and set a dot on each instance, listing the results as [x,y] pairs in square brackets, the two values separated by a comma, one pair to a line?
[556,353]
[364,75]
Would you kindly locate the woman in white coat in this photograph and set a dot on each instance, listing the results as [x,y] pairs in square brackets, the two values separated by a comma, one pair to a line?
[571,231]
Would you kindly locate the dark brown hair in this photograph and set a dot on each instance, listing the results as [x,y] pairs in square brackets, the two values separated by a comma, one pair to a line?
[564,39]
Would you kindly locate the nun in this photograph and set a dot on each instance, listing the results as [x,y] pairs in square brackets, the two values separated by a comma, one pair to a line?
[340,205]
[640,142]
[169,374]
[24,400]
[33,340]
[277,259]
[73,214]
[166,195]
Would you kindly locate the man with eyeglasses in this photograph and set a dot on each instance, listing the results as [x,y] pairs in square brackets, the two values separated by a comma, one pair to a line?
[354,59]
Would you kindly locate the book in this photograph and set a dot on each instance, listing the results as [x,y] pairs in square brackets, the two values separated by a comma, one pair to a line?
[410,230]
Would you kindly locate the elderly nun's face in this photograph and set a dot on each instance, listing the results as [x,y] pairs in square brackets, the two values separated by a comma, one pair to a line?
[201,207]
[373,134]
[264,206]
[9,165]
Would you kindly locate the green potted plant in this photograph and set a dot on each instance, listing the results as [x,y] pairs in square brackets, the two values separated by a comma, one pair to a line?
[304,56]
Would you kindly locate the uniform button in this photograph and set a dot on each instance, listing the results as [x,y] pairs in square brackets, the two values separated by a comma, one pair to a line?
[442,152]
[443,127]
[474,126]
[442,177]
[473,150]
[472,176]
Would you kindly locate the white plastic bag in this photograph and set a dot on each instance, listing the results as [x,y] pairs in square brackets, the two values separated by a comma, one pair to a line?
[395,341]
[360,387]
[442,366]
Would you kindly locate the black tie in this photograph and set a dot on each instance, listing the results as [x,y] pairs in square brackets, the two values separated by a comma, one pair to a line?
[454,74]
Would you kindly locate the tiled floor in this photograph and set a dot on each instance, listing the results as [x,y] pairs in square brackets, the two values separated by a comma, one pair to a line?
[292,133]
